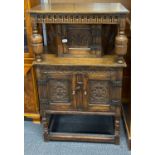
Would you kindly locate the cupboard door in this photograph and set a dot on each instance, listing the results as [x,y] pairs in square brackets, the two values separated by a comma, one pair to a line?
[100,92]
[58,92]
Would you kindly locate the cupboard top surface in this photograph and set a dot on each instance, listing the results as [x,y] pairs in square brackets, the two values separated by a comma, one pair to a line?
[106,61]
[95,8]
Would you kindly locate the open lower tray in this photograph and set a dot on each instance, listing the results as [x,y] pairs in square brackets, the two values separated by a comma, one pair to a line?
[81,124]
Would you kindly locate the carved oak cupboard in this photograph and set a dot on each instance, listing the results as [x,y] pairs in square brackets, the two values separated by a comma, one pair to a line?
[76,78]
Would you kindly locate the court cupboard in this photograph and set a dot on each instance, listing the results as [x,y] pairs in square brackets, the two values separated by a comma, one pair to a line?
[79,74]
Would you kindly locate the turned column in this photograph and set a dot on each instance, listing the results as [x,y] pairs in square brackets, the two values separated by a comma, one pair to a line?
[37,43]
[121,42]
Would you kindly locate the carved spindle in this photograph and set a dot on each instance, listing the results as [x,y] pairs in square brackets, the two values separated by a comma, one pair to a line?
[37,44]
[121,42]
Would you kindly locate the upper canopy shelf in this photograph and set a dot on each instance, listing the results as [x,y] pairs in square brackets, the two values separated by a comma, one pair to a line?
[84,8]
[79,13]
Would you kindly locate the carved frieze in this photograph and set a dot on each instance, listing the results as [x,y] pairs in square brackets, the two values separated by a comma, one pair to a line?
[77,18]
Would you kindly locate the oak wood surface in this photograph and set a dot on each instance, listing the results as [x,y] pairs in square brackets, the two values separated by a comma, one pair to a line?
[108,62]
[56,68]
[81,137]
[53,60]
[126,3]
[93,8]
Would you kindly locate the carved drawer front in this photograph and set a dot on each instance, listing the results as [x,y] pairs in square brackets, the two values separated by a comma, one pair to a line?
[57,92]
[101,93]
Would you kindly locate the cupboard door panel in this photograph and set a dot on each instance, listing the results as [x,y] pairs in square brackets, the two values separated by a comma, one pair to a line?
[101,93]
[57,91]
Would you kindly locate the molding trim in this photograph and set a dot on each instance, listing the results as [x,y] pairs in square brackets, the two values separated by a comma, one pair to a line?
[77,18]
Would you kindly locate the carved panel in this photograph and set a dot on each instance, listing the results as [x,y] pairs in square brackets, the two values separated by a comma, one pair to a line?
[79,36]
[99,91]
[59,91]
[77,18]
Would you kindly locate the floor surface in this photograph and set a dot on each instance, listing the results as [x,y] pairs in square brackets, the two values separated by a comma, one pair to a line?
[35,145]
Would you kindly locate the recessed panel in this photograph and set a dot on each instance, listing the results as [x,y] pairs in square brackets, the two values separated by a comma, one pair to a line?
[59,91]
[99,92]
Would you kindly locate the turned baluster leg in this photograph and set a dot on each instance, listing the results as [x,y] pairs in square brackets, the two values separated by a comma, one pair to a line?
[121,42]
[37,43]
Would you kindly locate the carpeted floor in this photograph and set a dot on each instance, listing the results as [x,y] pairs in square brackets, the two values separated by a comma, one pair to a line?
[34,144]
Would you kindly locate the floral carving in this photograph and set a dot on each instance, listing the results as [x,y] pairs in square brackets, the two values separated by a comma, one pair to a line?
[59,91]
[99,91]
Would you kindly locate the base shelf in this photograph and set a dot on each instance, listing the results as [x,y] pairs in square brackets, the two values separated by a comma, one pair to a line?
[88,128]
[83,124]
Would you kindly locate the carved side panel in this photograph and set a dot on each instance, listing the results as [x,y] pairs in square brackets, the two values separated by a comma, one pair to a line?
[99,92]
[59,91]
